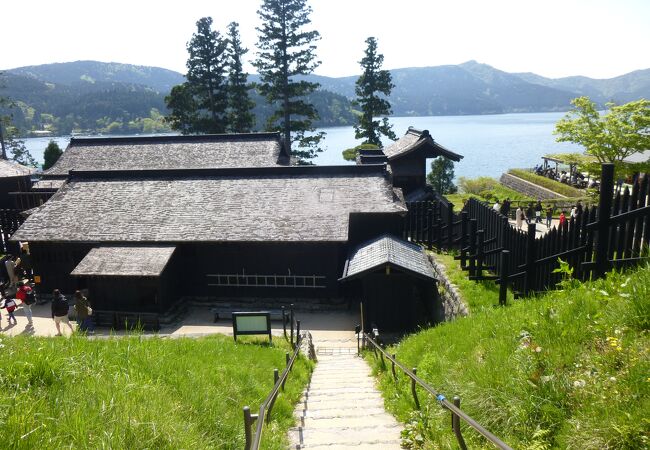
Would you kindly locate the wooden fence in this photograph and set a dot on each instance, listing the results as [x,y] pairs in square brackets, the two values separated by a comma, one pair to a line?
[10,220]
[614,234]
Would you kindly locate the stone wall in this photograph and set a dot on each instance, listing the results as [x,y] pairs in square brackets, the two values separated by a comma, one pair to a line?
[528,188]
[453,304]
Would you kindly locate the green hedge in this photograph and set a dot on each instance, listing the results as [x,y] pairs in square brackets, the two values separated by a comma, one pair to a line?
[547,183]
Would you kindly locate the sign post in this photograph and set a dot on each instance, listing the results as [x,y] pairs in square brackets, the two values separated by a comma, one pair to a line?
[251,323]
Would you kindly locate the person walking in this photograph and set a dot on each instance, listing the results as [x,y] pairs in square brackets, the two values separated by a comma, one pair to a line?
[519,217]
[26,296]
[578,209]
[60,309]
[530,213]
[84,312]
[505,207]
[549,216]
[538,212]
[562,219]
[10,305]
[497,206]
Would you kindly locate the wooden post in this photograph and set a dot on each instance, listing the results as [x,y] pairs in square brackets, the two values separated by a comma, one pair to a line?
[505,273]
[472,247]
[248,433]
[291,320]
[413,391]
[450,226]
[604,210]
[464,218]
[479,252]
[530,258]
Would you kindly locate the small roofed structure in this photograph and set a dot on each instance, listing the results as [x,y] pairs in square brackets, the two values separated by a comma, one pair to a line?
[407,159]
[141,275]
[395,281]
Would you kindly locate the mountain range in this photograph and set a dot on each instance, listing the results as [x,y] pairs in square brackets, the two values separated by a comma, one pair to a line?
[113,97]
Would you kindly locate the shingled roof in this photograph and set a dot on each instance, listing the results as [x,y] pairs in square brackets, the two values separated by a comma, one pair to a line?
[308,203]
[10,169]
[123,261]
[388,250]
[50,184]
[418,140]
[172,152]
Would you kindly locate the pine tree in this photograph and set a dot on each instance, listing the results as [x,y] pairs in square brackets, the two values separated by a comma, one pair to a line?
[240,117]
[373,81]
[286,50]
[199,105]
[441,177]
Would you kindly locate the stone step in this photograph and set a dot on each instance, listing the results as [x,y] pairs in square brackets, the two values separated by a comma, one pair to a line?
[359,404]
[339,413]
[379,419]
[380,434]
[394,445]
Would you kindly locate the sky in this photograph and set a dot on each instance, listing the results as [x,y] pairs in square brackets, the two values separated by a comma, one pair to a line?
[553,38]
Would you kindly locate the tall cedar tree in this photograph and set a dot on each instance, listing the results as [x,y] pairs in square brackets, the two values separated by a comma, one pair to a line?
[287,51]
[199,105]
[240,117]
[51,155]
[441,176]
[373,81]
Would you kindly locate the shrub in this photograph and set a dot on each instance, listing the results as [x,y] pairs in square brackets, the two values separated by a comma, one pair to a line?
[350,154]
[547,183]
[477,186]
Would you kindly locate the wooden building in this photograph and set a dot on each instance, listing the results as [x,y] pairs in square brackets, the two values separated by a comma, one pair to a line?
[407,160]
[13,178]
[395,281]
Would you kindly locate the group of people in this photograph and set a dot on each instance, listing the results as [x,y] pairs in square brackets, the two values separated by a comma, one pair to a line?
[574,179]
[26,297]
[534,212]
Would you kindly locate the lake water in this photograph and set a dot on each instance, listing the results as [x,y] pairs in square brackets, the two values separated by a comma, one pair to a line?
[490,144]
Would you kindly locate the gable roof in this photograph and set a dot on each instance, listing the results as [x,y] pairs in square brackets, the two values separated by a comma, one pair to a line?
[10,169]
[300,203]
[172,152]
[388,250]
[415,140]
[123,261]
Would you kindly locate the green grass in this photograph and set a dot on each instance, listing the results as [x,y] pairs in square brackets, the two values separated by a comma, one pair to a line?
[570,369]
[478,295]
[555,186]
[137,392]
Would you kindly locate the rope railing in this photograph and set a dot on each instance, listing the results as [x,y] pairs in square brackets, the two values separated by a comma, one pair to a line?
[254,439]
[456,413]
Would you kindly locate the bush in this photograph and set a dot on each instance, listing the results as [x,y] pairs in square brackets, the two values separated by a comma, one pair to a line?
[477,186]
[350,154]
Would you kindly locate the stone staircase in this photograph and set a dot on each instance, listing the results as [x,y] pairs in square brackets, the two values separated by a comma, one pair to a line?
[341,408]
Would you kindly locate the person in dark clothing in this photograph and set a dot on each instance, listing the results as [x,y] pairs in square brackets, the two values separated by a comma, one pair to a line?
[60,309]
[549,216]
[578,209]
[505,207]
[530,213]
[84,312]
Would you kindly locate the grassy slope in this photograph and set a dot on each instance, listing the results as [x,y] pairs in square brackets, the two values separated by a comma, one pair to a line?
[140,393]
[553,185]
[567,370]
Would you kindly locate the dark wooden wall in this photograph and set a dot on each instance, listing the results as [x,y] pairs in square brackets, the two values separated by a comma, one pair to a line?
[409,172]
[12,184]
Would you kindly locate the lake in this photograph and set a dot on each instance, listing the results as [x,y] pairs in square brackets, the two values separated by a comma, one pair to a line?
[490,144]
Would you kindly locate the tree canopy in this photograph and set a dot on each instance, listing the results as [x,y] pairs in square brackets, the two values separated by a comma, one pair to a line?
[199,105]
[373,82]
[240,116]
[287,50]
[51,154]
[611,137]
[441,177]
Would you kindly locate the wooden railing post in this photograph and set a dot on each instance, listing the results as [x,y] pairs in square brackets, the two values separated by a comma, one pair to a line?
[505,273]
[413,391]
[530,259]
[456,425]
[248,423]
[291,318]
[604,211]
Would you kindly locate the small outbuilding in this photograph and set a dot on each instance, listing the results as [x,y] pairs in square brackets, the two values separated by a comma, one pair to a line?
[395,282]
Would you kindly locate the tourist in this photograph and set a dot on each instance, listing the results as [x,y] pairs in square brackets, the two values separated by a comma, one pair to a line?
[497,206]
[530,213]
[562,219]
[573,212]
[519,217]
[10,305]
[549,216]
[84,312]
[578,209]
[538,212]
[26,296]
[505,207]
[60,311]
[10,265]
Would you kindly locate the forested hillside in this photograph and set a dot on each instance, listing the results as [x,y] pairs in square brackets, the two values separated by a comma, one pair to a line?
[100,97]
